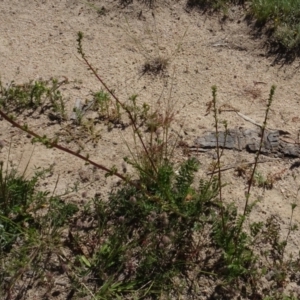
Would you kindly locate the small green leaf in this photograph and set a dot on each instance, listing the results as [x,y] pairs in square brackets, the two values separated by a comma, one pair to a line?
[85,261]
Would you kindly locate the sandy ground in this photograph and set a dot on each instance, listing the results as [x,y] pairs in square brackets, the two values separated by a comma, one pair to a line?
[38,40]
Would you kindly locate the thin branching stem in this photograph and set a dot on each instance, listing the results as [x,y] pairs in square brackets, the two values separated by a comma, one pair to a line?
[263,130]
[215,112]
[129,113]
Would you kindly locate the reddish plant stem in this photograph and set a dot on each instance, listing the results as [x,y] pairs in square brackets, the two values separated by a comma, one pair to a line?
[124,107]
[55,145]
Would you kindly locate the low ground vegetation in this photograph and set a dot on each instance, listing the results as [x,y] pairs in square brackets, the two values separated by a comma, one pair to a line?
[279,19]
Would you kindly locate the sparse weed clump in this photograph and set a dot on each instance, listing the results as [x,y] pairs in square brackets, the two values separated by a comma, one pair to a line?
[148,234]
[16,196]
[31,224]
[279,17]
[158,236]
[40,94]
[282,17]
